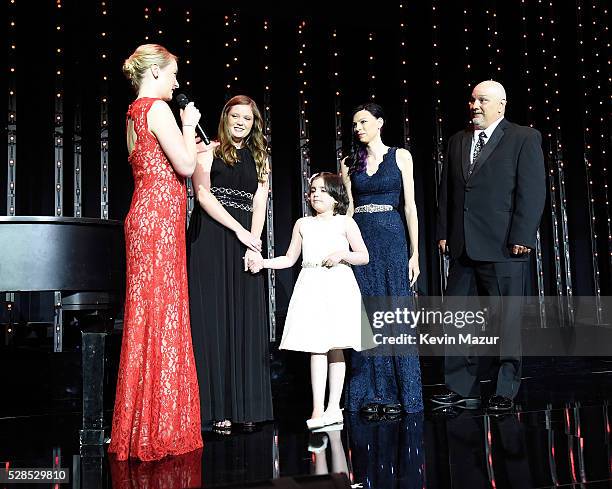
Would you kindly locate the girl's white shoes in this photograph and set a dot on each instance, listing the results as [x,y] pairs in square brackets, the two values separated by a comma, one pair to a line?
[318,444]
[328,418]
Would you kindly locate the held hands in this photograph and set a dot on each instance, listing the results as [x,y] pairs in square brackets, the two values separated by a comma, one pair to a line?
[333,259]
[190,116]
[519,250]
[249,240]
[253,262]
[413,269]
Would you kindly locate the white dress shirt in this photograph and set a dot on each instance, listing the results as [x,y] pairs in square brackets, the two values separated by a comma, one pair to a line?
[488,131]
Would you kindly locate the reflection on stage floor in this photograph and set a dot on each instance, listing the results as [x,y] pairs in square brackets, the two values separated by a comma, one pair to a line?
[558,436]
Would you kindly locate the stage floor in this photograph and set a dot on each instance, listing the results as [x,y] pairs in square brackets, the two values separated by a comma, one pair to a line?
[559,436]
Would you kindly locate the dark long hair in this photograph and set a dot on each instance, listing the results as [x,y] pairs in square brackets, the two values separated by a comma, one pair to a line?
[334,186]
[358,155]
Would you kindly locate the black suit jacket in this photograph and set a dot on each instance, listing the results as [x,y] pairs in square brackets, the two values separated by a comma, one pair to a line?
[501,203]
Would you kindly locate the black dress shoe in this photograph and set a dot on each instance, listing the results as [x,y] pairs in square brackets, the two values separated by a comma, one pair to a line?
[372,418]
[390,417]
[222,430]
[451,398]
[391,409]
[249,427]
[500,404]
[445,412]
[369,409]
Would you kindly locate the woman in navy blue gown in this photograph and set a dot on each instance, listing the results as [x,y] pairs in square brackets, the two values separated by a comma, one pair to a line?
[378,178]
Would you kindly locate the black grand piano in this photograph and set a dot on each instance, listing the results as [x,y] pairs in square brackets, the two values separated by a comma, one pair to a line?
[82,261]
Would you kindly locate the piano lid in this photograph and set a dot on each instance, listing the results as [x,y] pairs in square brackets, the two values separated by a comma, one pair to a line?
[40,253]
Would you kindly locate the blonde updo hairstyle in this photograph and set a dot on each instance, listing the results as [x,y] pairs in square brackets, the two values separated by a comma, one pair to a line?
[142,59]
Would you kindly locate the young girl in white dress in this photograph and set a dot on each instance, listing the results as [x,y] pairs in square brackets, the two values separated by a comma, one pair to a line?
[325,313]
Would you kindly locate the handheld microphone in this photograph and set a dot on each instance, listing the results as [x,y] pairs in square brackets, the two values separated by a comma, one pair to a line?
[182,101]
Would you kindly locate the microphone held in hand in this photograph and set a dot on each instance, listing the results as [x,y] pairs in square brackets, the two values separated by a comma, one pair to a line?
[182,101]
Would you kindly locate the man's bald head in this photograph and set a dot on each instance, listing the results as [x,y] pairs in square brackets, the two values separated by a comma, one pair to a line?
[487,103]
[492,87]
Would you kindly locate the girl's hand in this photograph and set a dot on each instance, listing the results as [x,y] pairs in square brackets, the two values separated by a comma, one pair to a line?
[333,259]
[205,148]
[205,153]
[253,262]
[249,240]
[413,269]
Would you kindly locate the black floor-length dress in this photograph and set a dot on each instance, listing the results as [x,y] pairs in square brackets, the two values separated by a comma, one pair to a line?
[229,324]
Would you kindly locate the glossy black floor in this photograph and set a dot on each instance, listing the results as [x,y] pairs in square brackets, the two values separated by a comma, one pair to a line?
[559,436]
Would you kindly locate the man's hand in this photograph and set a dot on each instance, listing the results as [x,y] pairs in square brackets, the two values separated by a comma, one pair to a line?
[442,246]
[519,250]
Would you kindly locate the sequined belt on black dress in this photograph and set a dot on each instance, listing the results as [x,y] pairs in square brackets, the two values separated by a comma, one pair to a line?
[229,197]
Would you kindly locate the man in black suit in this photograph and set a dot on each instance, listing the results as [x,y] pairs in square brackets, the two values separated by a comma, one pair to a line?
[491,199]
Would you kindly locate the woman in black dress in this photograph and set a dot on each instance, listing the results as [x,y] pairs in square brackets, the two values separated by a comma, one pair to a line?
[228,306]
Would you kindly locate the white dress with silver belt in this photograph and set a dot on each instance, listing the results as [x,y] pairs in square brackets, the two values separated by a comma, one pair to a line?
[326,311]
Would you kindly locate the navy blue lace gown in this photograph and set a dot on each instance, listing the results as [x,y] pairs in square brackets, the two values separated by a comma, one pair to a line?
[374,377]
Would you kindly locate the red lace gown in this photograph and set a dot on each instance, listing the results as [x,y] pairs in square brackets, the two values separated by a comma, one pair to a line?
[157,407]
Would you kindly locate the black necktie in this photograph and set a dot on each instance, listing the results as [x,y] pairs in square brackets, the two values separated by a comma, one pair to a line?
[477,149]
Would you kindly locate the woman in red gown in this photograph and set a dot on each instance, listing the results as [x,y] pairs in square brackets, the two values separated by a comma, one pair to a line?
[157,408]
